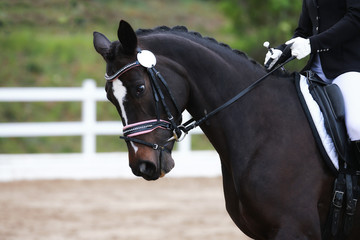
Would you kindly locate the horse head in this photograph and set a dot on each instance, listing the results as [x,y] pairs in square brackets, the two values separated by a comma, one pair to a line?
[149,107]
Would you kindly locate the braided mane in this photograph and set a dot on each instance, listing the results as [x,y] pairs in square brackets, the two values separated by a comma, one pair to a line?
[184,31]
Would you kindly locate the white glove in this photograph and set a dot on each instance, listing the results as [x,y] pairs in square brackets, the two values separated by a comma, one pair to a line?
[272,55]
[300,48]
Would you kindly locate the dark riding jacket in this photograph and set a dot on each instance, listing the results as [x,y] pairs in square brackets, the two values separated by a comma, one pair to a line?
[333,27]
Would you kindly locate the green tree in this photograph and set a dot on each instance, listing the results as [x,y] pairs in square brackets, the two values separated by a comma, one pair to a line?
[256,21]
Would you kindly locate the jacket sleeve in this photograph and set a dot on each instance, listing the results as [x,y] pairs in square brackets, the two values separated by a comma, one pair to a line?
[345,29]
[304,28]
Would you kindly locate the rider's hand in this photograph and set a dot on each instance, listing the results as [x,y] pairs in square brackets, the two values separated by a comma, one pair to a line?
[300,47]
[272,56]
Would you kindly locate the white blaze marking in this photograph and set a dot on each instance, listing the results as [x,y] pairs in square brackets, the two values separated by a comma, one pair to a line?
[120,94]
[134,147]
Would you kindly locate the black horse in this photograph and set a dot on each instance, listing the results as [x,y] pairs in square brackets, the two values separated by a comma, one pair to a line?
[276,185]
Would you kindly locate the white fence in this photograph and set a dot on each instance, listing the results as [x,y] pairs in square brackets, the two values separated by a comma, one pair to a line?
[88,128]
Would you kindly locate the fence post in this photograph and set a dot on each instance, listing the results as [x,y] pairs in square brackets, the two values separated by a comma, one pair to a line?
[88,128]
[89,117]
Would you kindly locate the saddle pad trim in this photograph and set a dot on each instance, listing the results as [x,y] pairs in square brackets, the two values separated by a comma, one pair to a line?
[322,138]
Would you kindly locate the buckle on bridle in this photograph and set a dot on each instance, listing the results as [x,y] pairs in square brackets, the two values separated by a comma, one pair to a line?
[338,199]
[177,137]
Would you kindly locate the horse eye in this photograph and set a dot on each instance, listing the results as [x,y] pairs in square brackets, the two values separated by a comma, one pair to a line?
[140,89]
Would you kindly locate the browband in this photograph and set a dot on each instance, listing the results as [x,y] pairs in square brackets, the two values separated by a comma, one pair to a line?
[122,71]
[145,58]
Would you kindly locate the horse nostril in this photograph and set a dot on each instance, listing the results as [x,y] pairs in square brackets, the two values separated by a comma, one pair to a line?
[142,167]
[147,169]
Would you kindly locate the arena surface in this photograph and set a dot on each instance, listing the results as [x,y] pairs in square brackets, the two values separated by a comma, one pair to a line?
[117,209]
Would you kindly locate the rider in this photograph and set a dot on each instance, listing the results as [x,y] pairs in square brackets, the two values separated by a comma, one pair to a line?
[329,30]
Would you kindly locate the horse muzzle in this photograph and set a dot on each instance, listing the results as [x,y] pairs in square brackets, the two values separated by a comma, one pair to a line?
[156,166]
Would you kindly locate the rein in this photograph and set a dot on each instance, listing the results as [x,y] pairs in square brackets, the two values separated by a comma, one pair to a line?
[147,59]
[191,124]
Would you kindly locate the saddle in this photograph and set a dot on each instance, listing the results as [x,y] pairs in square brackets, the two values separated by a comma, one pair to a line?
[331,103]
[346,186]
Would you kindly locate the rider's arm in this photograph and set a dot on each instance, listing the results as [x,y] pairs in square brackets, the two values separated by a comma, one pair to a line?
[304,28]
[345,29]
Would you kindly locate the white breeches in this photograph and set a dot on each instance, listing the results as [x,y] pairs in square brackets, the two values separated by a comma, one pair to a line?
[349,84]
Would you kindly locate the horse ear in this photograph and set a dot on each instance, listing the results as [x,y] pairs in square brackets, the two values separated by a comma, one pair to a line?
[127,37]
[101,43]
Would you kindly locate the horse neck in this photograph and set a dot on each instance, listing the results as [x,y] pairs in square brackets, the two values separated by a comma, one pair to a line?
[215,74]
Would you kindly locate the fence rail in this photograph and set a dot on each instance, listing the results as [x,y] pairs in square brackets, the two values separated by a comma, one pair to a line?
[88,127]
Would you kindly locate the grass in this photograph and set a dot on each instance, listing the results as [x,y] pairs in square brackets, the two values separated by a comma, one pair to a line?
[49,44]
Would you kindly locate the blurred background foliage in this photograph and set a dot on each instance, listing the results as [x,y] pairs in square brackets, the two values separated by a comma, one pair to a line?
[49,43]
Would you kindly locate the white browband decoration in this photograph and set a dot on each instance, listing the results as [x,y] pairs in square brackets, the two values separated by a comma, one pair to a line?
[145,58]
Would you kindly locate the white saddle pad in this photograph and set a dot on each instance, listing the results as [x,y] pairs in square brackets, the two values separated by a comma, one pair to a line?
[318,120]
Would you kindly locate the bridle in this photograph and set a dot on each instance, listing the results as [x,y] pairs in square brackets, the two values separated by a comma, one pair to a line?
[147,59]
